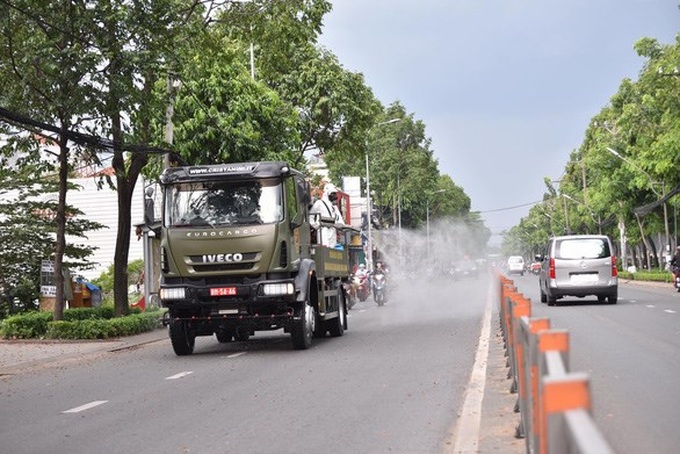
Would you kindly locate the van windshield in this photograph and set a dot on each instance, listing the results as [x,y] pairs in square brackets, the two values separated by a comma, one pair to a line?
[593,248]
[223,203]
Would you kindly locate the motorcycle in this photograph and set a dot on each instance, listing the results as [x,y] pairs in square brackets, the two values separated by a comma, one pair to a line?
[379,283]
[361,290]
[676,277]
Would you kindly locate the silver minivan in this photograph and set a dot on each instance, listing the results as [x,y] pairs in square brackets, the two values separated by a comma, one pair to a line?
[578,265]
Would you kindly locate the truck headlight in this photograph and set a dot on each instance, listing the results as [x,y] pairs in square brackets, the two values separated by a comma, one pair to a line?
[173,293]
[278,289]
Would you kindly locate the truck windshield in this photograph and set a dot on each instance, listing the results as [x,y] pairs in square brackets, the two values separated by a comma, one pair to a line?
[223,203]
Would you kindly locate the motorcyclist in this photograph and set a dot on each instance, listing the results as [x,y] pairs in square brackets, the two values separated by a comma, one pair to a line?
[381,269]
[360,276]
[675,267]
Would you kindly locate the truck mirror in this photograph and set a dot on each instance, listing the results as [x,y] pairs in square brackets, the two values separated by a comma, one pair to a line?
[304,192]
[297,221]
[149,207]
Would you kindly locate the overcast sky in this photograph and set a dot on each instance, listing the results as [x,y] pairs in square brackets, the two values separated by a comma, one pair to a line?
[506,88]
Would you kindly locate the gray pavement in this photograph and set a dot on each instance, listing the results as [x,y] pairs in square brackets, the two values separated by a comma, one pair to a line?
[498,418]
[498,422]
[17,356]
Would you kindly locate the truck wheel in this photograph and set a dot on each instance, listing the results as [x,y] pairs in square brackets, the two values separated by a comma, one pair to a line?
[223,336]
[182,340]
[336,327]
[242,335]
[303,329]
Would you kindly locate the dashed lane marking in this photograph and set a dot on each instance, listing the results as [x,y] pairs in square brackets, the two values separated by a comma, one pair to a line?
[96,403]
[180,375]
[236,355]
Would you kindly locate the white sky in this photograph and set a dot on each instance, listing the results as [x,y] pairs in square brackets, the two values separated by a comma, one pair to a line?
[506,88]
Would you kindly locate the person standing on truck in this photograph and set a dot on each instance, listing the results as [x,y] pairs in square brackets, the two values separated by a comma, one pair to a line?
[323,212]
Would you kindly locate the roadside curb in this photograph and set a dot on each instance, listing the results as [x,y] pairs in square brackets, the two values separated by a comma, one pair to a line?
[17,356]
[646,283]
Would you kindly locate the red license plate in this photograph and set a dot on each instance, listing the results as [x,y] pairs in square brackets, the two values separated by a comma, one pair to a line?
[223,291]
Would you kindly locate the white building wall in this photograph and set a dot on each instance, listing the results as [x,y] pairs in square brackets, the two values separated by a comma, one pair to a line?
[101,205]
[352,186]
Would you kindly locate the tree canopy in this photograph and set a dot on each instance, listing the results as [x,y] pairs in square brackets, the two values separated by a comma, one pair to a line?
[624,177]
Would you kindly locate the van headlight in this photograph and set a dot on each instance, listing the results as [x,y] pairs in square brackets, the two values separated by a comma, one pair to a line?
[168,294]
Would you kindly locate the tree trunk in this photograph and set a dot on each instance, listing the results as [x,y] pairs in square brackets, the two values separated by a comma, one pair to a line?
[60,248]
[645,241]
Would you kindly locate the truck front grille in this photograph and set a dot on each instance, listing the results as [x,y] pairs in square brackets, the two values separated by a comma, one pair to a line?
[223,267]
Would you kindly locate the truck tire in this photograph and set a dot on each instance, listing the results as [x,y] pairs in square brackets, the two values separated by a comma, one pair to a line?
[336,326]
[303,329]
[241,335]
[182,340]
[224,336]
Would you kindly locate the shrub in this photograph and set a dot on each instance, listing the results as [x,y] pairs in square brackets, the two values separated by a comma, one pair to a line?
[27,325]
[80,323]
[79,329]
[644,275]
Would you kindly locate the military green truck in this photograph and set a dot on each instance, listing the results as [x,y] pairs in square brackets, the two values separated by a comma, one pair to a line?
[238,256]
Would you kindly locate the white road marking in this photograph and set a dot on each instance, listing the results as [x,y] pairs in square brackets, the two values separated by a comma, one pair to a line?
[466,432]
[236,355]
[651,306]
[96,403]
[670,311]
[180,375]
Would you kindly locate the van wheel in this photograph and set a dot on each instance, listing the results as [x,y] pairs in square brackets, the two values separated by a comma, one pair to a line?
[543,297]
[552,301]
[611,299]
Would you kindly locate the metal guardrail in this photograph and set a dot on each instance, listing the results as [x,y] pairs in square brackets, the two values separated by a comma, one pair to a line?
[554,403]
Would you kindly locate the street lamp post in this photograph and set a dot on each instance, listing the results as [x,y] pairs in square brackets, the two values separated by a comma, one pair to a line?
[369,211]
[667,246]
[592,213]
[252,49]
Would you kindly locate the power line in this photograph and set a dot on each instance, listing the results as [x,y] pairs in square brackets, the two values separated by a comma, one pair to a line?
[81,138]
[511,208]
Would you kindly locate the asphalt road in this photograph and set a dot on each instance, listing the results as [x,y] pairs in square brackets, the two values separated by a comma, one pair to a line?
[631,351]
[395,382]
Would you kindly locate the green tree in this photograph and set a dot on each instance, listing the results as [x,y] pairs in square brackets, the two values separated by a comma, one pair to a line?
[45,75]
[624,178]
[27,211]
[138,43]
[222,115]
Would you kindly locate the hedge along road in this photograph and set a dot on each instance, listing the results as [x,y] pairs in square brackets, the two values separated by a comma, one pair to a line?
[395,381]
[630,350]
